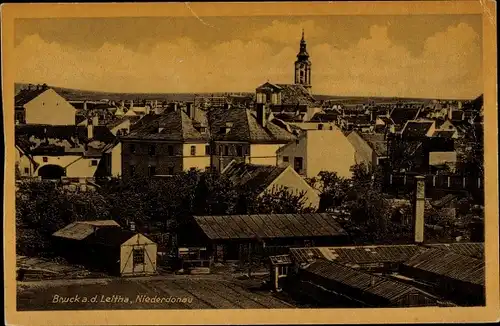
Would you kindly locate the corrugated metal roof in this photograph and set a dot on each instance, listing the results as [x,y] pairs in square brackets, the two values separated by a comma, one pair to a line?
[268,226]
[449,264]
[375,254]
[280,259]
[375,285]
[306,255]
[81,229]
[471,249]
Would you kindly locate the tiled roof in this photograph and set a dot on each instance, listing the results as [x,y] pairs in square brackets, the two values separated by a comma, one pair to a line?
[328,116]
[176,126]
[386,120]
[269,226]
[24,96]
[306,254]
[245,127]
[360,120]
[416,128]
[449,264]
[400,115]
[252,177]
[295,94]
[376,141]
[359,282]
[289,116]
[116,122]
[443,133]
[61,139]
[82,229]
[457,115]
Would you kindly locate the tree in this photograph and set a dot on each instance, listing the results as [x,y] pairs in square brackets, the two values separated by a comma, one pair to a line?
[333,189]
[279,200]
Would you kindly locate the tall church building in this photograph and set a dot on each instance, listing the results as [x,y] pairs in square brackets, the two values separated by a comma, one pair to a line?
[293,97]
[303,66]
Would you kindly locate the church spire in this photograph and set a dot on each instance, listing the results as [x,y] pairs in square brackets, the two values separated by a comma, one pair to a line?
[303,65]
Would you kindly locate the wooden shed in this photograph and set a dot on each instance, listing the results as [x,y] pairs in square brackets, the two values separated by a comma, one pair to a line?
[105,246]
[123,252]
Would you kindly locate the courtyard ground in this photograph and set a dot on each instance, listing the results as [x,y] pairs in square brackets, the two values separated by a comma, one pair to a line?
[162,292]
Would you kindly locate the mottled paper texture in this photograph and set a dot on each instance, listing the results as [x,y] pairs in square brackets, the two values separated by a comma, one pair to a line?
[250,163]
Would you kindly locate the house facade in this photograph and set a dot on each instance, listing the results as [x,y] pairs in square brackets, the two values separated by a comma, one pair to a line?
[43,105]
[58,151]
[167,144]
[309,155]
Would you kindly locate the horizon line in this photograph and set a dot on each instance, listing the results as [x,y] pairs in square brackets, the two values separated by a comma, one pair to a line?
[250,92]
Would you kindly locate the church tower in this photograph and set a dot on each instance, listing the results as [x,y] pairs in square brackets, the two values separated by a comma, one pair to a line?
[303,66]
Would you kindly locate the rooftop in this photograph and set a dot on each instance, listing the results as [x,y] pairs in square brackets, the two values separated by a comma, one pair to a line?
[376,141]
[50,139]
[269,226]
[450,264]
[251,176]
[366,283]
[27,95]
[245,127]
[174,125]
[82,229]
[416,128]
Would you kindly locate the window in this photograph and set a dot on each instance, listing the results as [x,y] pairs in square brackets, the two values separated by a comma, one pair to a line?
[132,170]
[207,150]
[170,150]
[132,148]
[138,256]
[239,150]
[170,171]
[226,150]
[282,270]
[193,150]
[94,162]
[152,150]
[151,171]
[320,126]
[286,159]
[298,164]
[26,170]
[45,159]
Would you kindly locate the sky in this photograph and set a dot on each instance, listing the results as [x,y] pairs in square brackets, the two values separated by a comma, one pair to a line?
[434,56]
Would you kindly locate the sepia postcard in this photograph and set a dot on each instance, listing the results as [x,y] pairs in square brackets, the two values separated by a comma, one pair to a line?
[250,163]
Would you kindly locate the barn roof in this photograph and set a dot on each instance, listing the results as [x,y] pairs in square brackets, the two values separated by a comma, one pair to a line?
[449,264]
[366,283]
[399,253]
[82,229]
[269,226]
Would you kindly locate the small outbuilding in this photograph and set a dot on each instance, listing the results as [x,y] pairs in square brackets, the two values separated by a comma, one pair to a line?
[105,246]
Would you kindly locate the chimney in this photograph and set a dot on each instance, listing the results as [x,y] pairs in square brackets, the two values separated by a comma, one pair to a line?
[450,112]
[95,120]
[261,114]
[122,104]
[190,110]
[371,114]
[418,209]
[131,104]
[85,106]
[157,110]
[132,226]
[90,129]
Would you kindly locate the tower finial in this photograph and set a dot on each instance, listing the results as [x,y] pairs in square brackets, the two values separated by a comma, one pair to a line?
[302,34]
